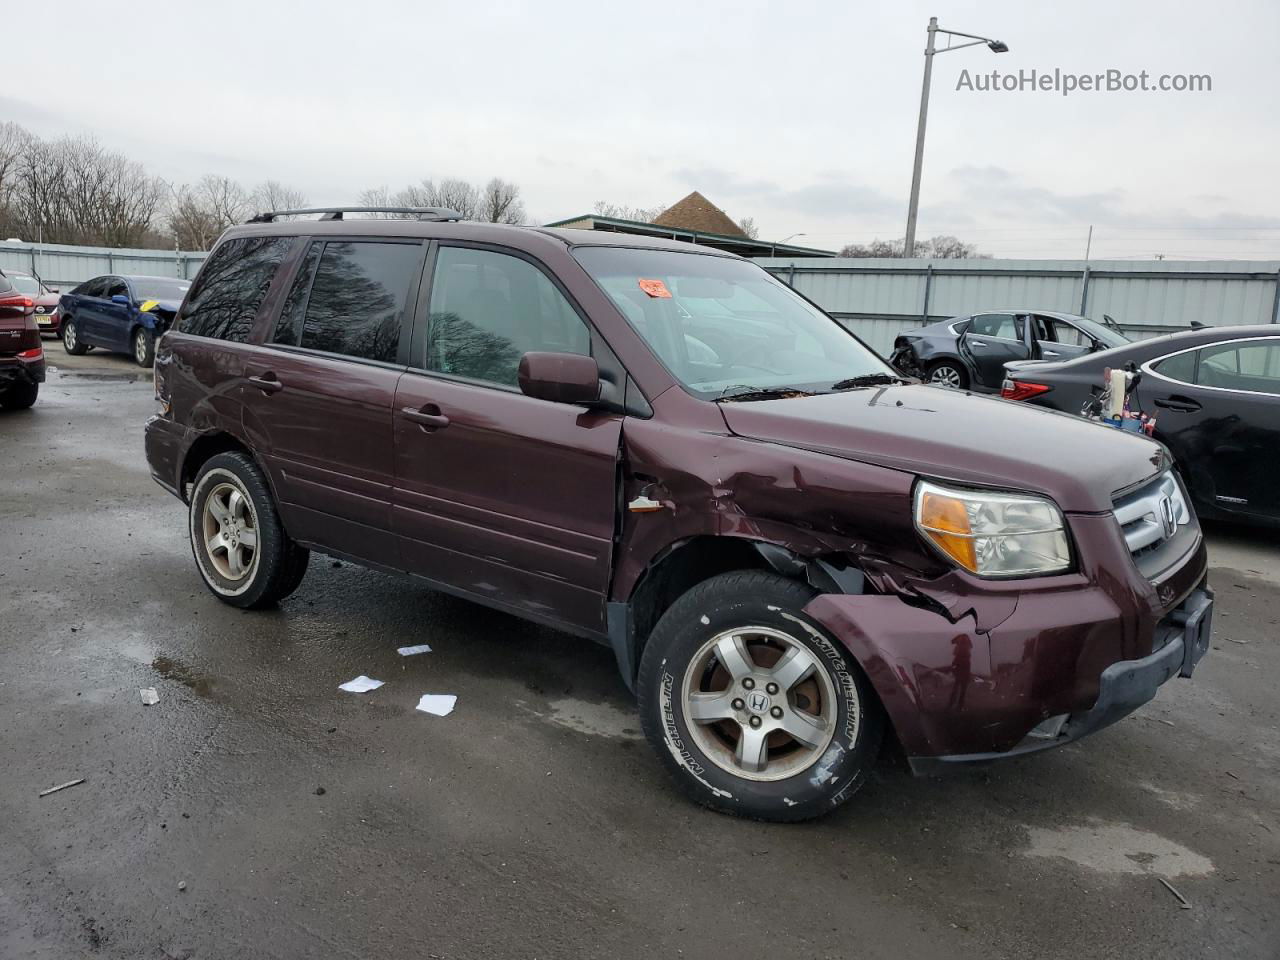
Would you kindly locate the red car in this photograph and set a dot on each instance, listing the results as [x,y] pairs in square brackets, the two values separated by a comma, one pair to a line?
[44,300]
[21,353]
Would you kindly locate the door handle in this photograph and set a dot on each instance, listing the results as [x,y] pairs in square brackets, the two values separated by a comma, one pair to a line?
[1181,404]
[1050,353]
[428,416]
[976,344]
[267,383]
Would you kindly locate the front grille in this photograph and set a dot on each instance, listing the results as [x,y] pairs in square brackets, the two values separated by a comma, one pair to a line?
[1156,520]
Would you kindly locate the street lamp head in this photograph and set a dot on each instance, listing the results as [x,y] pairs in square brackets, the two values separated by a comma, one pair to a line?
[998,46]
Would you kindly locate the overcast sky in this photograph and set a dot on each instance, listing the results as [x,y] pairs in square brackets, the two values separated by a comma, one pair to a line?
[801,115]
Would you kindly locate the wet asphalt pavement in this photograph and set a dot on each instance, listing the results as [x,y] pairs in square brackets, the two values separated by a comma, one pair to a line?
[256,811]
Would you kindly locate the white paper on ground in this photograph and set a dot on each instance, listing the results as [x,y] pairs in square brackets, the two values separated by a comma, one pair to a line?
[360,684]
[410,651]
[149,696]
[441,704]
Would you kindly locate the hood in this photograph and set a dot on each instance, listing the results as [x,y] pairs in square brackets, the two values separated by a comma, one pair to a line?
[46,300]
[957,436]
[162,306]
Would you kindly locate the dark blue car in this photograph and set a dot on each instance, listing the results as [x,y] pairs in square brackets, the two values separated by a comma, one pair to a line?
[122,314]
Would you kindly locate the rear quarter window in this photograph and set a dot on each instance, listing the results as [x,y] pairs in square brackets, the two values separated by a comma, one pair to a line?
[230,288]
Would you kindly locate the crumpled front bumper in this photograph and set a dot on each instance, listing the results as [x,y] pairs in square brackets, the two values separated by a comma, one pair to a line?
[1049,663]
[1123,688]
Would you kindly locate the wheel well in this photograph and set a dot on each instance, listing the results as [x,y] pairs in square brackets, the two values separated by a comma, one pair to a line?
[207,446]
[685,566]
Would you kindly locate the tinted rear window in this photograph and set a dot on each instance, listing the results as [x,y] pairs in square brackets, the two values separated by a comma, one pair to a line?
[231,286]
[356,299]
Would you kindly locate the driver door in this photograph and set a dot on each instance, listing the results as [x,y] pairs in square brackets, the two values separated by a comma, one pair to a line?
[1056,339]
[990,341]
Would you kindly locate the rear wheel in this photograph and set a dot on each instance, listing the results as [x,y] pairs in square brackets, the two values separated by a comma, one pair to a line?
[144,347]
[71,338]
[240,546]
[19,396]
[751,706]
[949,374]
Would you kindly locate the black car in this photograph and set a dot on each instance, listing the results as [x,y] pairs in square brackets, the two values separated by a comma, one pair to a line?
[1215,394]
[970,352]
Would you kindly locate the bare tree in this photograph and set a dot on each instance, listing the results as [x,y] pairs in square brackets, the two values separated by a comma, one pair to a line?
[935,248]
[274,195]
[620,212]
[501,203]
[498,202]
[748,226]
[73,191]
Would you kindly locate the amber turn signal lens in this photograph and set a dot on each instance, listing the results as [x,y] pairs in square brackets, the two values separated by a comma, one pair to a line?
[946,522]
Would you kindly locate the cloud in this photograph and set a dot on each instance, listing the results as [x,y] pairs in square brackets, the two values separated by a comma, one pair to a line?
[832,196]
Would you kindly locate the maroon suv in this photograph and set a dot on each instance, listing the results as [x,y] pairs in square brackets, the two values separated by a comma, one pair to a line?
[794,553]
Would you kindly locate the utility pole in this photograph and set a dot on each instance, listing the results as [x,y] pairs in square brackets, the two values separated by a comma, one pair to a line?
[996,46]
[909,247]
[1088,244]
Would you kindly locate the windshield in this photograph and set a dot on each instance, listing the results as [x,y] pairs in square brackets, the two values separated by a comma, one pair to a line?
[1103,334]
[159,288]
[725,326]
[28,286]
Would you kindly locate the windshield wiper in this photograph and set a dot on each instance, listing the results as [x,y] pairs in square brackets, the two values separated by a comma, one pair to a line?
[746,392]
[868,380]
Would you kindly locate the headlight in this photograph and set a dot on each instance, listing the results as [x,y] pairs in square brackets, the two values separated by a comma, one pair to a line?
[993,534]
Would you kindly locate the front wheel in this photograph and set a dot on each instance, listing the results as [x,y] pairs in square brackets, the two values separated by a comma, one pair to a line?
[71,341]
[144,347]
[240,546]
[751,706]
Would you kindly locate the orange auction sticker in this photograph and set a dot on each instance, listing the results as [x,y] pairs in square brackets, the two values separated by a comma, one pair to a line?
[655,288]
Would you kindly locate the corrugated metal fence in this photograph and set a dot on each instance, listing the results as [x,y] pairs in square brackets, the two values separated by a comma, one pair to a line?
[878,299]
[63,266]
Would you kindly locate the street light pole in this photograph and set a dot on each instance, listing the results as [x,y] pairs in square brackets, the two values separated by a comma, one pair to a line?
[996,46]
[909,247]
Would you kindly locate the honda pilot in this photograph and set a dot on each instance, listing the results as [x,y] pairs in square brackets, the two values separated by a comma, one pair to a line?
[795,555]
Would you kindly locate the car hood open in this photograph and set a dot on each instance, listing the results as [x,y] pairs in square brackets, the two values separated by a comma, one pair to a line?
[958,436]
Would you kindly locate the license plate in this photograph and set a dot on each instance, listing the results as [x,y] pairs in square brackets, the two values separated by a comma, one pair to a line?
[44,320]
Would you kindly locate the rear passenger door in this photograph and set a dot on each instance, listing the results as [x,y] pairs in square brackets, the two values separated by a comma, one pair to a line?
[505,498]
[992,340]
[321,389]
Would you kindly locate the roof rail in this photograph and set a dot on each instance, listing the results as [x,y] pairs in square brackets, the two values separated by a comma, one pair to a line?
[335,213]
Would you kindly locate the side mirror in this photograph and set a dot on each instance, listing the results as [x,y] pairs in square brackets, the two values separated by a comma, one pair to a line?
[120,298]
[559,377]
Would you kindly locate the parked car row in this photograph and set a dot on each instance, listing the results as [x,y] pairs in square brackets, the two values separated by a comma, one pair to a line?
[1213,392]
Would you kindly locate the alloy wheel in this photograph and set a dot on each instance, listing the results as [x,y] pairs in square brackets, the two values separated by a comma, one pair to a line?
[759,704]
[69,336]
[140,347]
[946,376]
[230,532]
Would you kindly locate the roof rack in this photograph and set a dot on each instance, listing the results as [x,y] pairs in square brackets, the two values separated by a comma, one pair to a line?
[336,213]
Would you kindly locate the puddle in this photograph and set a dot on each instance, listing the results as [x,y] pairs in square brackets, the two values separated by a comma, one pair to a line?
[597,719]
[1117,848]
[173,670]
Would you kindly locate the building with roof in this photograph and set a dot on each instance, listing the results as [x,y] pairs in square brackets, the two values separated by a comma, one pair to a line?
[695,219]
